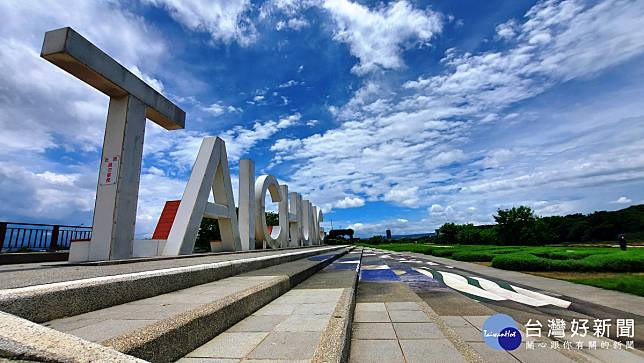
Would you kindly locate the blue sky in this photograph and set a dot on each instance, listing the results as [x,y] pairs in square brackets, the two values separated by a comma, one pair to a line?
[399,114]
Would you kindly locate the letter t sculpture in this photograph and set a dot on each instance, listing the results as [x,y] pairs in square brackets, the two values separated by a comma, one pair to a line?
[131,102]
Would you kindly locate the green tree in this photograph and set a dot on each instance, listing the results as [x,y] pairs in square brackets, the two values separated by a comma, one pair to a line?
[272,219]
[489,236]
[468,235]
[516,225]
[208,231]
[448,233]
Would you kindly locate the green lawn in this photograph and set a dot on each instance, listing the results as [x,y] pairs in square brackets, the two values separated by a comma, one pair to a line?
[633,284]
[585,260]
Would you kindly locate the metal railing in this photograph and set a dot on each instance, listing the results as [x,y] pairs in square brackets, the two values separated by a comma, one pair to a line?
[34,236]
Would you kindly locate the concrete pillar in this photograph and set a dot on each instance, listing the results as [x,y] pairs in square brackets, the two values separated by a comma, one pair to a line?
[306,222]
[117,191]
[295,219]
[284,217]
[247,204]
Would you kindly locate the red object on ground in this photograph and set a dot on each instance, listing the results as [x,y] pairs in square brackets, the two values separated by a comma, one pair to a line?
[270,229]
[166,219]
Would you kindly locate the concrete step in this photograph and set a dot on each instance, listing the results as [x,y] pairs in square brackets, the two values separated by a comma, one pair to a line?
[62,292]
[167,326]
[311,322]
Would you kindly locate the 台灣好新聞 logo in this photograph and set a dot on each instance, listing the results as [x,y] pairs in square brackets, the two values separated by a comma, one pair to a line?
[500,332]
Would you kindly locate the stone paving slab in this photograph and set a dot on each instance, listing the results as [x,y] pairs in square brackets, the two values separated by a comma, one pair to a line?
[369,331]
[417,331]
[438,351]
[376,351]
[406,336]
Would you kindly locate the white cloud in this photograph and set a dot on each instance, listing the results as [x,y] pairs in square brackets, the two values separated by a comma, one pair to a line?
[154,191]
[350,202]
[445,158]
[507,30]
[377,37]
[225,21]
[401,195]
[48,195]
[290,8]
[293,23]
[290,83]
[240,140]
[622,200]
[218,108]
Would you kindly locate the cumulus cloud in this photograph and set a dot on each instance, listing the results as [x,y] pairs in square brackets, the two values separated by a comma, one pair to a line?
[241,139]
[378,36]
[622,200]
[218,108]
[293,23]
[350,202]
[225,21]
[507,30]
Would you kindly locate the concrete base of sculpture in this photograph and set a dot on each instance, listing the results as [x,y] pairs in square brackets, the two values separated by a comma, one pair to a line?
[216,246]
[148,247]
[79,251]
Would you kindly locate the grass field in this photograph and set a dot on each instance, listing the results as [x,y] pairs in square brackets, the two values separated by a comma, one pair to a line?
[604,267]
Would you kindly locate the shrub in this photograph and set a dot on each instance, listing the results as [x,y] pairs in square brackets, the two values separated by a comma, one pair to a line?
[615,262]
[442,252]
[520,262]
[473,256]
[602,262]
[562,255]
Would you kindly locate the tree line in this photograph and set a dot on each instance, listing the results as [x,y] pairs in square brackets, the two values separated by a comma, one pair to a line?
[521,226]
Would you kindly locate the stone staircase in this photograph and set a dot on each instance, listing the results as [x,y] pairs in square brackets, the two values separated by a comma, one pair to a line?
[164,315]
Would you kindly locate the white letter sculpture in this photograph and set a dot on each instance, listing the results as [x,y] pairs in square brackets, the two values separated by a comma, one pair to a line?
[278,235]
[210,171]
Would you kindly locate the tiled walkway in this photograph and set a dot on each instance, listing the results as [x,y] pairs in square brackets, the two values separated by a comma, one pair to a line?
[398,332]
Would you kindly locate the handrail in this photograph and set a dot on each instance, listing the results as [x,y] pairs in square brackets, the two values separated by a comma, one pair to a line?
[38,236]
[47,225]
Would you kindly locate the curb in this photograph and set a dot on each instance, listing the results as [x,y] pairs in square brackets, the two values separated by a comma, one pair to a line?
[335,343]
[21,339]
